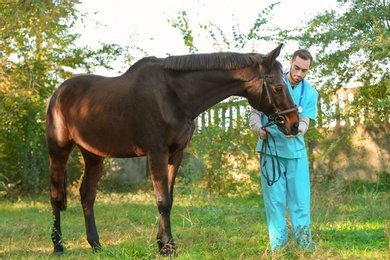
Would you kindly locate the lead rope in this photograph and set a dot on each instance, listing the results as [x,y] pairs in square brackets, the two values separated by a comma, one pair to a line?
[276,119]
[274,158]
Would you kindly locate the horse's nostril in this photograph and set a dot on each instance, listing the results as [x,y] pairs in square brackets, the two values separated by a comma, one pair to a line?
[295,128]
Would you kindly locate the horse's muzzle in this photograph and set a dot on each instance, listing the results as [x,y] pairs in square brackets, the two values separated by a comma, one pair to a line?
[294,128]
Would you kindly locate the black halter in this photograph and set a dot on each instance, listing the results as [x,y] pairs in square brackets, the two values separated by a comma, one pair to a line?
[276,118]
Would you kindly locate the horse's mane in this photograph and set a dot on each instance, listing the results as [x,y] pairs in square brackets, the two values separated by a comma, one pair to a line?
[211,61]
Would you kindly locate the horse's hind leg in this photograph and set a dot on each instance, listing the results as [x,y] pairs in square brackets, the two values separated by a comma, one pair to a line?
[92,175]
[58,156]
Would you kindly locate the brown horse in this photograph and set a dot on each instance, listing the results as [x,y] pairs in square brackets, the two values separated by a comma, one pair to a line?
[150,111]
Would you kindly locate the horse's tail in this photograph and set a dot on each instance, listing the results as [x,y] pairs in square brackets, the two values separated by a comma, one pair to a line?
[48,102]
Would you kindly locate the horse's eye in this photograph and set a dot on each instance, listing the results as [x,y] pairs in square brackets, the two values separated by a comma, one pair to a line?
[278,89]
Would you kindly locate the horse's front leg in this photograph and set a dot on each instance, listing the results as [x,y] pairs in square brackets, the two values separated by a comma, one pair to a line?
[92,175]
[163,177]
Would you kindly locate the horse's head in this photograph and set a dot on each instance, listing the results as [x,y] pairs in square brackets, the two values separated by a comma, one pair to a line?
[276,101]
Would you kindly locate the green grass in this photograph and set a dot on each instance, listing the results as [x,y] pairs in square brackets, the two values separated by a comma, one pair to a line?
[349,222]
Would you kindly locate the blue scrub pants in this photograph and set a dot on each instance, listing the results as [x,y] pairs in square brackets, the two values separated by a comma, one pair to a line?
[293,188]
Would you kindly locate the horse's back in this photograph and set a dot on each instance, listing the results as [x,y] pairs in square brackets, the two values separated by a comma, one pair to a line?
[88,90]
[136,80]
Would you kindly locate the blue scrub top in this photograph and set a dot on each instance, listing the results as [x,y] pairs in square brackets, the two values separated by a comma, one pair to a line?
[293,147]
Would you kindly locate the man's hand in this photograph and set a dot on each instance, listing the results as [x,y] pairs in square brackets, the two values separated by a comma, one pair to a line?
[302,128]
[262,133]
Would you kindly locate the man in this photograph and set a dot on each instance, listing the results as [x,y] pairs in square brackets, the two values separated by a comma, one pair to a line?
[293,186]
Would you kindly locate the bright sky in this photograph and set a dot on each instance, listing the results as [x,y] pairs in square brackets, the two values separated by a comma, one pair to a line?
[143,23]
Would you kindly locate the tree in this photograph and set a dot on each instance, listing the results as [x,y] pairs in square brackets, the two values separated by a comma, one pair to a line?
[231,147]
[351,45]
[37,52]
[238,41]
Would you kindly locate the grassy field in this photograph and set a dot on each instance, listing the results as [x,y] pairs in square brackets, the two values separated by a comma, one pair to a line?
[351,220]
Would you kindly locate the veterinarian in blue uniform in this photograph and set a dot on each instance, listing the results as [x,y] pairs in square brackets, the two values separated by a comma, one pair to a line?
[293,187]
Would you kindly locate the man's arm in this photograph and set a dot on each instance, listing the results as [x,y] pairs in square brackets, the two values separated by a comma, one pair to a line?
[255,123]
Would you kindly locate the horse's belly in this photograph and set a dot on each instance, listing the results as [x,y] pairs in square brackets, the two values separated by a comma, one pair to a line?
[107,143]
[111,150]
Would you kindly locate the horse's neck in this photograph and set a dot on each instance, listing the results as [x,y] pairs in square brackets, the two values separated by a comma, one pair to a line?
[204,92]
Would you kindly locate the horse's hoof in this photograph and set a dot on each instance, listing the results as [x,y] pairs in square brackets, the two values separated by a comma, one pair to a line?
[168,250]
[58,253]
[58,250]
[96,249]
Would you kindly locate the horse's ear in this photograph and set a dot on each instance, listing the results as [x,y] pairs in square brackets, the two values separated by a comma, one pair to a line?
[270,58]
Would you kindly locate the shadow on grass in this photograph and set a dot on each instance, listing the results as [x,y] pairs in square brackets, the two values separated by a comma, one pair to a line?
[372,239]
[128,224]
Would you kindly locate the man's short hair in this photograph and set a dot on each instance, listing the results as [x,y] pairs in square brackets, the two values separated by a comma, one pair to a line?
[303,54]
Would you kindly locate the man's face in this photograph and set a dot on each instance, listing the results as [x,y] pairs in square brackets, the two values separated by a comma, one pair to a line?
[299,69]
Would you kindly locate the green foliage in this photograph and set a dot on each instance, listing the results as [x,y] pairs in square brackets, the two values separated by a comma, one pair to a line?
[384,180]
[3,191]
[37,52]
[237,41]
[220,152]
[351,43]
[182,23]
